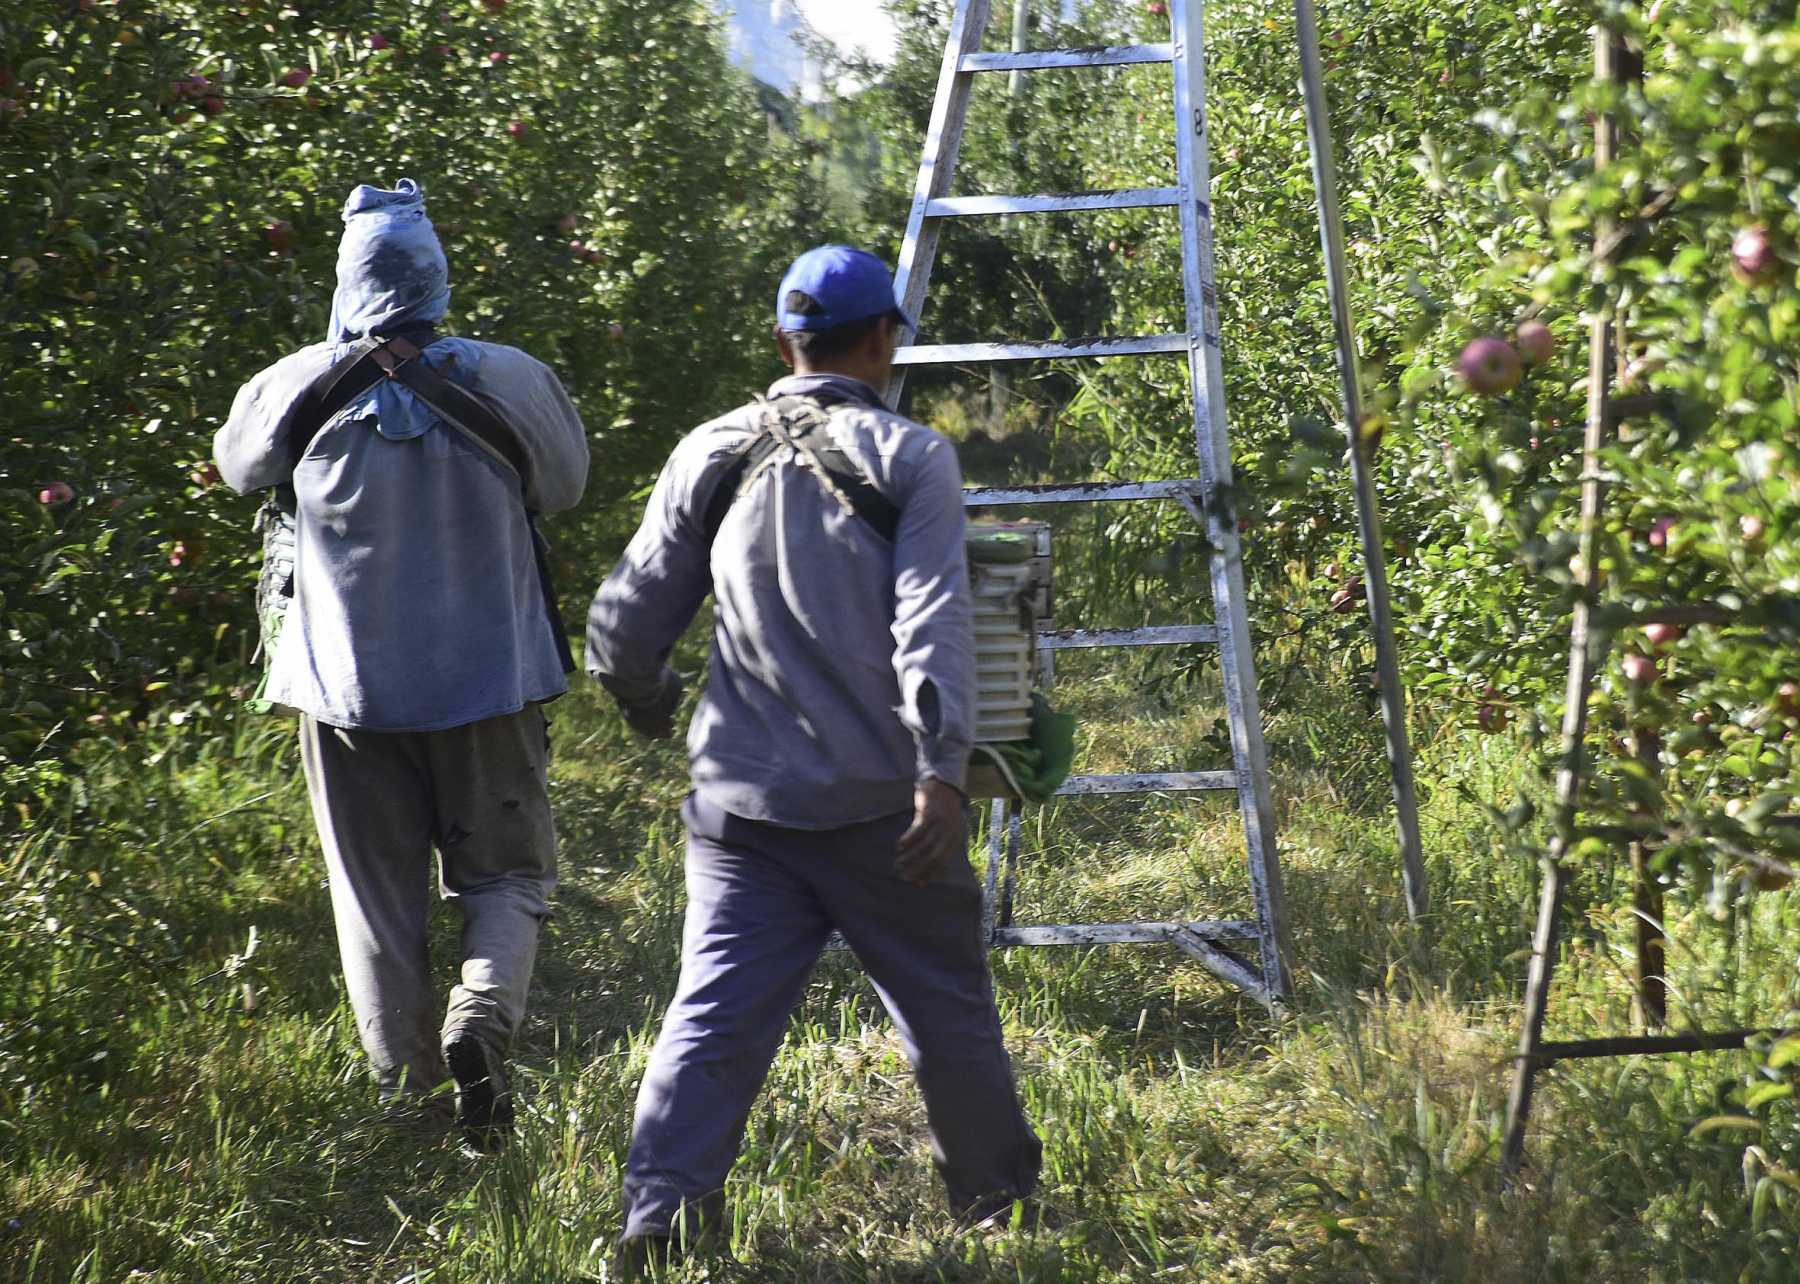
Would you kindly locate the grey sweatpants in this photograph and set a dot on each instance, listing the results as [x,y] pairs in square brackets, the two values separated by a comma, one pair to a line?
[761,901]
[383,800]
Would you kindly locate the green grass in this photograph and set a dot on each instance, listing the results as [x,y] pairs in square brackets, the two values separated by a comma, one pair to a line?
[173,1110]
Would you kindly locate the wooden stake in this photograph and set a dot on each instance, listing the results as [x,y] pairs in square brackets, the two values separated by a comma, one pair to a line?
[1586,646]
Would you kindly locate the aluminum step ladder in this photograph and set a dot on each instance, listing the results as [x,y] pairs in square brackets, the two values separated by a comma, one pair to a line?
[1205,497]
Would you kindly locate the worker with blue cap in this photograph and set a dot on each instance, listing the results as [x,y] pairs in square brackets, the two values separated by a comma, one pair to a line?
[417,642]
[828,753]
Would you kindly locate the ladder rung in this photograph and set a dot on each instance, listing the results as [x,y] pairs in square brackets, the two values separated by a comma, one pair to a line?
[1079,492]
[1093,56]
[1127,198]
[1120,933]
[1147,782]
[1157,635]
[945,354]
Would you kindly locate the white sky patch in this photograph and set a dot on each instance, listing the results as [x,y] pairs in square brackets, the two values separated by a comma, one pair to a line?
[860,25]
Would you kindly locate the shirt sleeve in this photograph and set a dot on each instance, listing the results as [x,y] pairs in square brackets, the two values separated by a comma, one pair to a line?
[934,643]
[534,403]
[252,449]
[652,595]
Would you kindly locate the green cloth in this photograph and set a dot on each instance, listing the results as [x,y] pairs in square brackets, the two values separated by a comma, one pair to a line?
[1035,768]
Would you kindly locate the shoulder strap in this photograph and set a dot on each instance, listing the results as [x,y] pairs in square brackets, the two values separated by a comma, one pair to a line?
[457,406]
[347,380]
[799,423]
[482,424]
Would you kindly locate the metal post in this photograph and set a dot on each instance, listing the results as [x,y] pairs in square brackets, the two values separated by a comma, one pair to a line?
[1021,34]
[1362,451]
[1586,645]
[943,140]
[1206,379]
[1650,997]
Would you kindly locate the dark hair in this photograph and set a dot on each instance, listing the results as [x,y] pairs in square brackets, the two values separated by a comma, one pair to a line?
[815,346]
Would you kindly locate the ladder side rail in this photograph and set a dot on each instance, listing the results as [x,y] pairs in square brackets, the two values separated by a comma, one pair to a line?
[1368,511]
[943,141]
[1206,375]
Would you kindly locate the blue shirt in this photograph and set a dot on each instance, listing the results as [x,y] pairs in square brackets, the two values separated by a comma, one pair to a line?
[843,665]
[417,604]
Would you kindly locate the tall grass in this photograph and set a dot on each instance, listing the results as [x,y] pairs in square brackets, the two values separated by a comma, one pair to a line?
[180,1107]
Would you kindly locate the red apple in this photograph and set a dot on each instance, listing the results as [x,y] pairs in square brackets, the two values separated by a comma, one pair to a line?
[1639,669]
[281,236]
[1753,255]
[55,493]
[442,51]
[379,41]
[1750,526]
[296,77]
[1661,635]
[1535,343]
[493,6]
[615,331]
[1156,8]
[518,129]
[212,104]
[1787,698]
[205,473]
[1489,366]
[1660,530]
[498,56]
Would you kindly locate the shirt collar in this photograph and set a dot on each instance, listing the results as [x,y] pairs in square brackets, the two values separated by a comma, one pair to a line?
[842,385]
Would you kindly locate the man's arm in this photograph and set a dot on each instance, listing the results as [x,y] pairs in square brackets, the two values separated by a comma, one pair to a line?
[533,401]
[253,449]
[934,643]
[649,600]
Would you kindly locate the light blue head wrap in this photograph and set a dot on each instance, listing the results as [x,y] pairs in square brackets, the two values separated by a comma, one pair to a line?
[391,273]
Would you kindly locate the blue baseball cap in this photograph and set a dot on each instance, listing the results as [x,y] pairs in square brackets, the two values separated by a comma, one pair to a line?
[848,284]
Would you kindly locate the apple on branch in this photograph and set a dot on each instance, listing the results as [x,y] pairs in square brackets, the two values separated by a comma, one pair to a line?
[1753,255]
[1489,366]
[1535,343]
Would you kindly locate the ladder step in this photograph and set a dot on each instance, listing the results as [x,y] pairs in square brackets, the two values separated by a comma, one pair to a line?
[1092,56]
[1120,933]
[1148,782]
[1080,492]
[1158,635]
[1128,198]
[944,354]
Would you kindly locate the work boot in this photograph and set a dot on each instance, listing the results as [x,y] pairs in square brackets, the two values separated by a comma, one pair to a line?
[637,1257]
[484,1105]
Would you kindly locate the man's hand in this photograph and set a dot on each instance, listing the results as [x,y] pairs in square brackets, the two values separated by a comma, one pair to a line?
[655,718]
[940,829]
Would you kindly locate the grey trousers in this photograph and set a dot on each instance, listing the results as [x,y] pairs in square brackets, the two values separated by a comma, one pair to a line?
[761,901]
[383,800]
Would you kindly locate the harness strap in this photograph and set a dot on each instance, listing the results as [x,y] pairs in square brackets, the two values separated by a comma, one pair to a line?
[799,424]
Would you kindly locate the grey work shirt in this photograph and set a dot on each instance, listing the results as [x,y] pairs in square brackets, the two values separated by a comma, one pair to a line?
[417,604]
[843,666]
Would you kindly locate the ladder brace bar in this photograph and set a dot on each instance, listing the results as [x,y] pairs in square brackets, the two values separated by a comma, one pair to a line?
[1078,492]
[946,354]
[1125,198]
[1048,59]
[1149,782]
[1155,635]
[1120,933]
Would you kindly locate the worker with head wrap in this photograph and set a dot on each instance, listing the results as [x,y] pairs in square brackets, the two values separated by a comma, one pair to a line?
[417,650]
